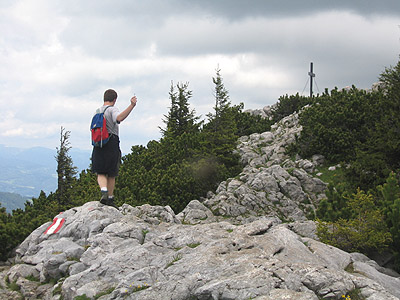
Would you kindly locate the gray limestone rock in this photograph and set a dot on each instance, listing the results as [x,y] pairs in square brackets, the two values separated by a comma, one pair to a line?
[22,270]
[251,239]
[196,212]
[132,258]
[391,284]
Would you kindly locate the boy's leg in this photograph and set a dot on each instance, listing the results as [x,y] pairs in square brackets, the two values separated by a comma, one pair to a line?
[111,185]
[102,181]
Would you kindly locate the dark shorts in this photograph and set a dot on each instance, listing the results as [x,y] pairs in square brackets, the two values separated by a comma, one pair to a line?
[107,160]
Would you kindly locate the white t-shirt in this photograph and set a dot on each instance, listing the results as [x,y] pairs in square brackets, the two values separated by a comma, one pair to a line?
[111,115]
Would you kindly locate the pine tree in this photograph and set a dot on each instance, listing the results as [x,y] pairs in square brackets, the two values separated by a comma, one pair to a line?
[220,118]
[65,170]
[180,119]
[221,129]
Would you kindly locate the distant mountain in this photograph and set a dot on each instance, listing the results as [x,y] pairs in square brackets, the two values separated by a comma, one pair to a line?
[12,201]
[28,171]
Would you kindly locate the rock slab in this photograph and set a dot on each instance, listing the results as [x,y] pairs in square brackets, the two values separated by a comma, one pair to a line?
[251,239]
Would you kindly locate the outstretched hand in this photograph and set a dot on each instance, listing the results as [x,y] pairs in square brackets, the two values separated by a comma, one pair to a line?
[133,101]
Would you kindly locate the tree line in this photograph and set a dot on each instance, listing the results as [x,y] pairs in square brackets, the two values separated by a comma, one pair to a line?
[356,129]
[190,159]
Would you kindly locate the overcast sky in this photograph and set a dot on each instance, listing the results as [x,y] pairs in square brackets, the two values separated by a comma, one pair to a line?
[58,57]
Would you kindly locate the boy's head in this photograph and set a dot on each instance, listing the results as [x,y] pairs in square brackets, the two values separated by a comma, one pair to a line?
[110,95]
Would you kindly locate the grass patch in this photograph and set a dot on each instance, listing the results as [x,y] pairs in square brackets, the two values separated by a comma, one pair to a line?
[333,177]
[32,278]
[52,281]
[82,297]
[70,258]
[193,245]
[353,295]
[356,295]
[57,290]
[350,268]
[144,233]
[291,171]
[12,285]
[176,258]
[106,292]
[140,288]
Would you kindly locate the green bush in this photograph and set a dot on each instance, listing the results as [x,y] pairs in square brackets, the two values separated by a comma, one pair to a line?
[287,105]
[365,231]
[336,124]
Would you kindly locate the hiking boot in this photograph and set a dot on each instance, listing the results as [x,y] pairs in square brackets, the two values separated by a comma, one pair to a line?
[111,202]
[104,197]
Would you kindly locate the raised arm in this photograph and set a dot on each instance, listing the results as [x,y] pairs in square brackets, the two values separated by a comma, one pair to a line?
[124,114]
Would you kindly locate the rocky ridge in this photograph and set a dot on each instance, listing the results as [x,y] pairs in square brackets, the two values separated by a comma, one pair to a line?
[249,240]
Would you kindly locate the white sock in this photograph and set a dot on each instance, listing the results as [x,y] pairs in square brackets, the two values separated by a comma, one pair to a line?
[104,190]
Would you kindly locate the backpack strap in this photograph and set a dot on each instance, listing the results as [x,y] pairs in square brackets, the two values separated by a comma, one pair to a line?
[99,110]
[106,108]
[104,112]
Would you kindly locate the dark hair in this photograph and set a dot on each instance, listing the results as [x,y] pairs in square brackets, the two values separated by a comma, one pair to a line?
[110,95]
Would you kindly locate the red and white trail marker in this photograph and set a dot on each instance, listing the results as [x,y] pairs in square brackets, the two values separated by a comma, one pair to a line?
[56,226]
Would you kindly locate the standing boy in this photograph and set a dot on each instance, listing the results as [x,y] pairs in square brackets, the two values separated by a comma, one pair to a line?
[106,160]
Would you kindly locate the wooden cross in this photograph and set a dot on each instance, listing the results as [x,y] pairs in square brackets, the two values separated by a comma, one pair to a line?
[312,75]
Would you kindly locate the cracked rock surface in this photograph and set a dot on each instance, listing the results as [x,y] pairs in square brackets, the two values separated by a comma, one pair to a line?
[251,239]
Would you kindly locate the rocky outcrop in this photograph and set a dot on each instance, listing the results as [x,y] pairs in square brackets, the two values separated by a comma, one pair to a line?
[271,184]
[146,253]
[266,112]
[249,240]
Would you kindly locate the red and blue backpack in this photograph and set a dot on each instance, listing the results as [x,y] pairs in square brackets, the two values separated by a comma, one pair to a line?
[98,128]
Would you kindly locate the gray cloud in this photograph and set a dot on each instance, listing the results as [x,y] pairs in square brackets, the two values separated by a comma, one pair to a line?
[238,9]
[60,56]
[231,9]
